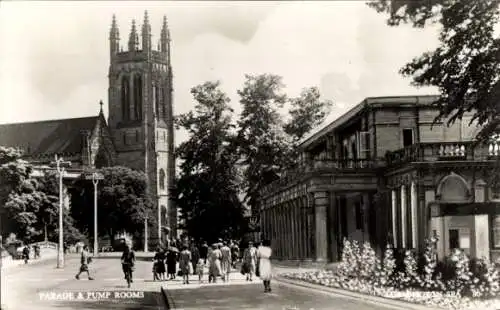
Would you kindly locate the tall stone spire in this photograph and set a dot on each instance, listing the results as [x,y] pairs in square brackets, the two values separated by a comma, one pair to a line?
[165,37]
[133,41]
[114,38]
[146,33]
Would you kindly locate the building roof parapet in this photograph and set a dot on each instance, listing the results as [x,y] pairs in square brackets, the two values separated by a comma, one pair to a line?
[369,102]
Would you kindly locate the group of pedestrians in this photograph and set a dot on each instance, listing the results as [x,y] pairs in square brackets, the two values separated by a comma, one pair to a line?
[194,258]
[219,259]
[256,261]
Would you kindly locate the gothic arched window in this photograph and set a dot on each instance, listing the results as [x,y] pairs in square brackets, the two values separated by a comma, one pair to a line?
[162,179]
[156,91]
[138,97]
[163,103]
[125,97]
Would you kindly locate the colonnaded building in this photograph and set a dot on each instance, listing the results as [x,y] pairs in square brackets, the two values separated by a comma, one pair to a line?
[139,132]
[384,173]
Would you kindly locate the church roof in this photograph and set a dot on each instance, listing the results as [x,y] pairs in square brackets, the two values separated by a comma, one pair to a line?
[62,136]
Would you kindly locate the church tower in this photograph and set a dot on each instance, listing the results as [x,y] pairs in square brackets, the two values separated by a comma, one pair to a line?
[141,113]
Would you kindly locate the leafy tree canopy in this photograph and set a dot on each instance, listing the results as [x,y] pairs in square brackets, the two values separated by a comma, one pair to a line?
[465,67]
[206,189]
[122,202]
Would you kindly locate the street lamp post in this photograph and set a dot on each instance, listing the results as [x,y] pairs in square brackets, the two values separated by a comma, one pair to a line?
[61,165]
[146,234]
[95,180]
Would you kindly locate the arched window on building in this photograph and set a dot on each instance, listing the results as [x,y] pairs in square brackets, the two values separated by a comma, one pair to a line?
[453,188]
[162,179]
[163,215]
[156,92]
[163,102]
[138,97]
[125,98]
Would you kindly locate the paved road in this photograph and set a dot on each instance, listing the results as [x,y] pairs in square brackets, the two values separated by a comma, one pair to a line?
[250,296]
[30,287]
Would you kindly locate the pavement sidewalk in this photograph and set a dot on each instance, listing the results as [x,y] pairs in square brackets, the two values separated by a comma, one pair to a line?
[9,262]
[279,269]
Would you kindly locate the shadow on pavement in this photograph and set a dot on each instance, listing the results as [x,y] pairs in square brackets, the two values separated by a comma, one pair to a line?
[139,258]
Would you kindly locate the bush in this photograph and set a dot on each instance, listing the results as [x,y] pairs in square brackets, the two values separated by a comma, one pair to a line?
[450,282]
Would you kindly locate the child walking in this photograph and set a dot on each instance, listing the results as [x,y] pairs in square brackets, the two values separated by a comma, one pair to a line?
[199,269]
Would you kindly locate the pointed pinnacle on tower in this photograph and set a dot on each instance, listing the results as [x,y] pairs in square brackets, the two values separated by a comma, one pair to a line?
[114,37]
[165,36]
[133,41]
[114,28]
[146,33]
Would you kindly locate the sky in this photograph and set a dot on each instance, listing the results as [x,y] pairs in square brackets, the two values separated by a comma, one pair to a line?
[54,58]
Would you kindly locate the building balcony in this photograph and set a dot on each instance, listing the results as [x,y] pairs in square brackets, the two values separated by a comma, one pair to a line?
[443,151]
[319,167]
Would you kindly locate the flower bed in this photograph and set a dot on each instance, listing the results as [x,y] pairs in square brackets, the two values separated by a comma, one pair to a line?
[361,271]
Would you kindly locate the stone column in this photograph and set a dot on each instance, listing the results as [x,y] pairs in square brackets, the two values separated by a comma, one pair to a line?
[282,230]
[286,230]
[394,219]
[481,237]
[403,216]
[321,202]
[302,220]
[293,206]
[333,230]
[414,217]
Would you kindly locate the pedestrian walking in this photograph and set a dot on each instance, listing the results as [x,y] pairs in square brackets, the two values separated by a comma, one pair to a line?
[199,269]
[37,251]
[214,268]
[235,253]
[85,260]
[249,261]
[225,261]
[264,253]
[172,262]
[159,264]
[204,251]
[185,264]
[26,254]
[195,256]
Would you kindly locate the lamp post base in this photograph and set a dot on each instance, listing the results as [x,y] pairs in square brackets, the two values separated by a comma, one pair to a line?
[60,260]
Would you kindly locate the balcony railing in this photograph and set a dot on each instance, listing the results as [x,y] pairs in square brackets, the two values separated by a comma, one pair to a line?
[318,165]
[440,151]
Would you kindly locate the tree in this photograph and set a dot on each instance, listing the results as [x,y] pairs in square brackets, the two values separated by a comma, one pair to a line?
[48,213]
[19,197]
[122,202]
[22,206]
[465,67]
[307,112]
[206,189]
[262,142]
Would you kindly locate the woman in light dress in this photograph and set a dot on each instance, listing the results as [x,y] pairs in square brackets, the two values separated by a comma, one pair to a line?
[184,264]
[214,268]
[264,253]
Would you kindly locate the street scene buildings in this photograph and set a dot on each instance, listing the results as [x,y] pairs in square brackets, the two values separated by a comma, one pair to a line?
[388,205]
[138,134]
[384,173]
